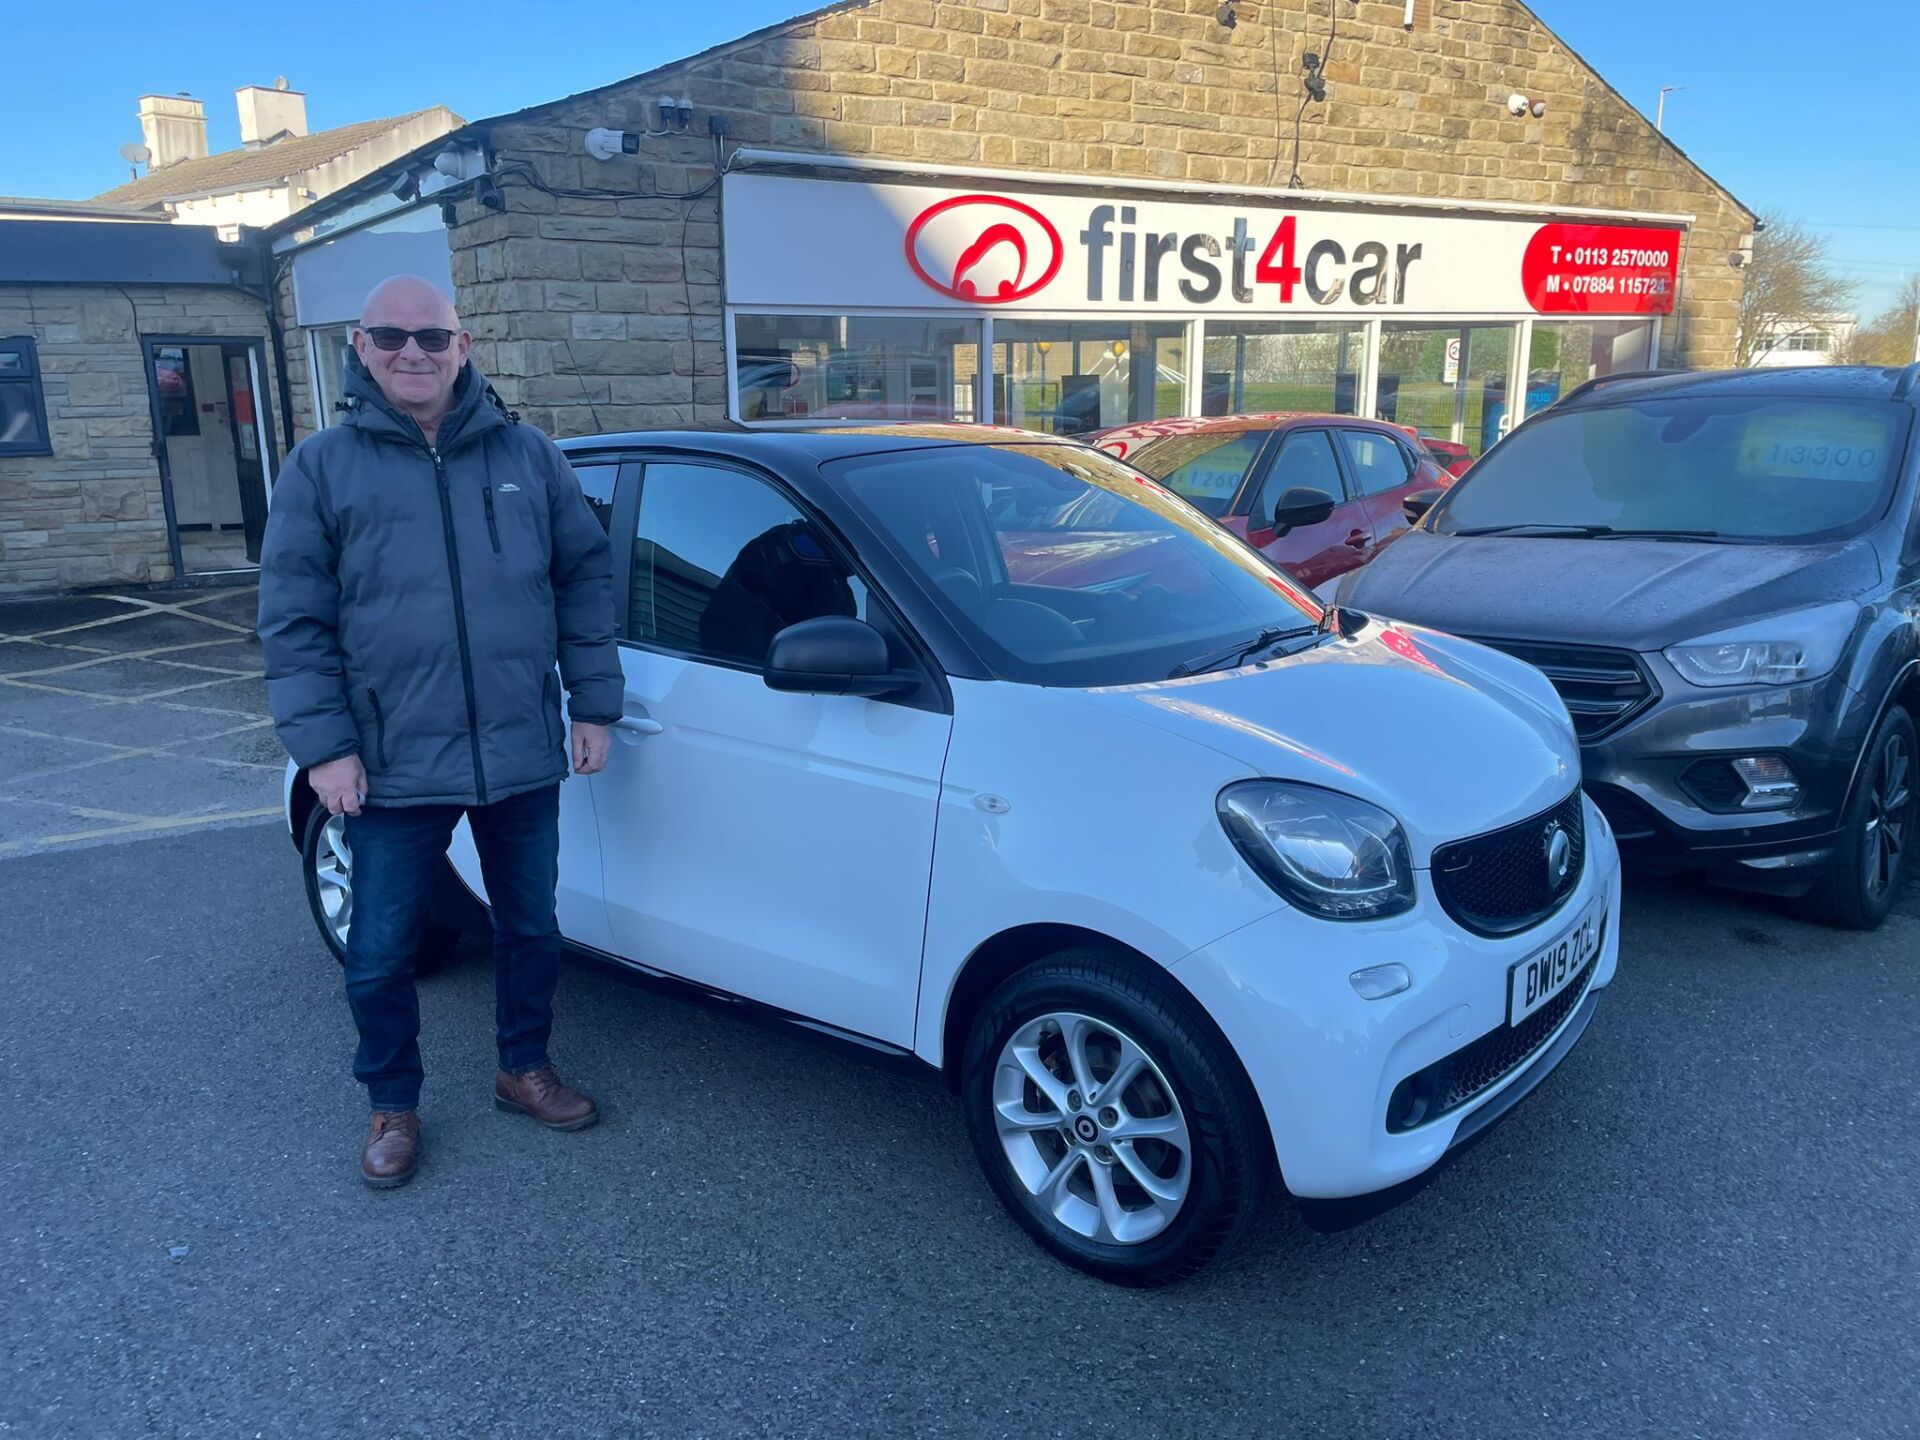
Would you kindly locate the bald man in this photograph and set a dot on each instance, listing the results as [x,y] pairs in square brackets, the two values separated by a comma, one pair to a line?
[430,561]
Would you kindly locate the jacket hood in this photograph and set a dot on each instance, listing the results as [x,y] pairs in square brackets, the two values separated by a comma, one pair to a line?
[1636,594]
[1451,738]
[477,407]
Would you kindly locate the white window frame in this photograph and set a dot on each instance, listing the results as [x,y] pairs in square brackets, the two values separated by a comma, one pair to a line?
[322,381]
[1366,395]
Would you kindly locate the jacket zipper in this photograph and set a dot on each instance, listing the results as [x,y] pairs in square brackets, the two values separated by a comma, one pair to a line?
[493,530]
[460,622]
[379,727]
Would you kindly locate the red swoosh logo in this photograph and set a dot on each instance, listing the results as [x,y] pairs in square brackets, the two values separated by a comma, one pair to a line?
[1000,234]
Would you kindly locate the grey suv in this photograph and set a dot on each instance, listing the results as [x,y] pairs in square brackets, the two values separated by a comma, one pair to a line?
[1720,573]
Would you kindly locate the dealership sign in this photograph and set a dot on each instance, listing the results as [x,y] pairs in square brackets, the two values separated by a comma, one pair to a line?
[840,245]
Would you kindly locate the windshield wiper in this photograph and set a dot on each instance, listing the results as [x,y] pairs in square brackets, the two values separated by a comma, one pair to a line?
[1585,532]
[1658,535]
[1578,532]
[1241,653]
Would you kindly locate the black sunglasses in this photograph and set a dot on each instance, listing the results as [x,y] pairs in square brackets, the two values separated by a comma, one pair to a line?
[392,337]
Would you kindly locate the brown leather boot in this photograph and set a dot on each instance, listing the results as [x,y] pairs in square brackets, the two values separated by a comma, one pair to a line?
[546,1097]
[392,1151]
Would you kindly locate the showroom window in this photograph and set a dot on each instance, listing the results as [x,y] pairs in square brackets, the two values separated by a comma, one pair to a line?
[1447,381]
[1065,377]
[856,367]
[722,562]
[1252,367]
[23,404]
[1568,353]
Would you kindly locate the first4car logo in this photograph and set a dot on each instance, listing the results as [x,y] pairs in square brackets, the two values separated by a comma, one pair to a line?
[994,250]
[985,249]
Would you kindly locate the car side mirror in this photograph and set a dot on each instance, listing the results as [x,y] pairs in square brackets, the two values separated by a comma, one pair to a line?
[1418,504]
[1300,505]
[833,655]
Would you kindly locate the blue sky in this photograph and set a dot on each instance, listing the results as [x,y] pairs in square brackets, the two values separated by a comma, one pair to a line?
[1825,131]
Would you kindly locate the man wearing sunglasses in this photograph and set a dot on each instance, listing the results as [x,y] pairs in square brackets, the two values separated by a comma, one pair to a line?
[429,562]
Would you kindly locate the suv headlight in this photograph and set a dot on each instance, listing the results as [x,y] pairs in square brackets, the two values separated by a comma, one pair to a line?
[1780,650]
[1327,853]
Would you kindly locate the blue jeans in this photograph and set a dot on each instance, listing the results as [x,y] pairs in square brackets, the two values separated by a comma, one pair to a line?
[396,857]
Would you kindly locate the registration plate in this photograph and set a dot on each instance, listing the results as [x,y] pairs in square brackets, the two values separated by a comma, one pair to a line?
[1540,977]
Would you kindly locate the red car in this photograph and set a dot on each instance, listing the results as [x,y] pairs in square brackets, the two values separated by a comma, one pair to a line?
[1450,455]
[1318,494]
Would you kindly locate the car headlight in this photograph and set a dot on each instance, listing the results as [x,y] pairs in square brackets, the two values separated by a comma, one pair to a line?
[1327,853]
[1780,650]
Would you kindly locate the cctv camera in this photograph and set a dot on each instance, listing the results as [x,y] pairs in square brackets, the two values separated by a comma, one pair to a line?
[1517,103]
[1539,109]
[1737,259]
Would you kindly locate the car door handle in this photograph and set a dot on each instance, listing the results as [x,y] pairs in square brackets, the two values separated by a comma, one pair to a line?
[635,724]
[1359,539]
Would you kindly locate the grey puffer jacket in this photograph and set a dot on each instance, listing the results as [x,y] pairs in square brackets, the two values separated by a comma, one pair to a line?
[414,600]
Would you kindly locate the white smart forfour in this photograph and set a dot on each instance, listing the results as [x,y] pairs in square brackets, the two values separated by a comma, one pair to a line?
[979,748]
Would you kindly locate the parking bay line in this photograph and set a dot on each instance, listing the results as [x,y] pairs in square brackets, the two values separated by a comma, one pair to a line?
[145,826]
[109,656]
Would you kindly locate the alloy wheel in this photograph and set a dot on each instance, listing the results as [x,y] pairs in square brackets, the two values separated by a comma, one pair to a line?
[333,868]
[1092,1129]
[1888,805]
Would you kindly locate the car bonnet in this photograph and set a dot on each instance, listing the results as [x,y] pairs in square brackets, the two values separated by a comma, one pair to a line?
[1451,738]
[1640,594]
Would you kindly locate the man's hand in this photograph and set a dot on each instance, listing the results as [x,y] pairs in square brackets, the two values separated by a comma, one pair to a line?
[341,784]
[591,743]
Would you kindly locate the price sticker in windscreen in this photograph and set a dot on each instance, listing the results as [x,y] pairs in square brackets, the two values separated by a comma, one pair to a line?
[1814,443]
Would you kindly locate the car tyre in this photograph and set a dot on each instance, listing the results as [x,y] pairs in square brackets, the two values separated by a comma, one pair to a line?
[1196,1168]
[328,867]
[1876,831]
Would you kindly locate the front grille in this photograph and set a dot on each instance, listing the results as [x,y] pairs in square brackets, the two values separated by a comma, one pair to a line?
[1451,1082]
[1500,882]
[1603,689]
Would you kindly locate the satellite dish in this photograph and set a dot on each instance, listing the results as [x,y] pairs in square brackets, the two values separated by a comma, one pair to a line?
[134,153]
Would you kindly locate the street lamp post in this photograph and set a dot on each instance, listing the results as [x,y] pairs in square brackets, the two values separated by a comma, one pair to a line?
[1660,111]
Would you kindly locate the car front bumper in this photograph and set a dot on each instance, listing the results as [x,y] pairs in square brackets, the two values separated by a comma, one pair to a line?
[1325,1062]
[1639,776]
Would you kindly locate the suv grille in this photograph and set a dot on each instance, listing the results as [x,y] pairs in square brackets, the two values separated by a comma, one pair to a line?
[1603,689]
[1503,881]
[1452,1081]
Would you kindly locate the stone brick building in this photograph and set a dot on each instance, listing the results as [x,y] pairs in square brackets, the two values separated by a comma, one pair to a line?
[598,304]
[1056,214]
[136,431]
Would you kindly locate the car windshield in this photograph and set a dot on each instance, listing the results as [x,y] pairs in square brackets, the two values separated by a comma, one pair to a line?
[1205,469]
[1063,567]
[1768,468]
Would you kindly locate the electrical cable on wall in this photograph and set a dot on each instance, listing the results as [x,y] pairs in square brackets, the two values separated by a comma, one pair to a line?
[523,172]
[1315,67]
[585,394]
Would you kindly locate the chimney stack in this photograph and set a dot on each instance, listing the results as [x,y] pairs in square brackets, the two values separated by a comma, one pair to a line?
[269,114]
[174,128]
